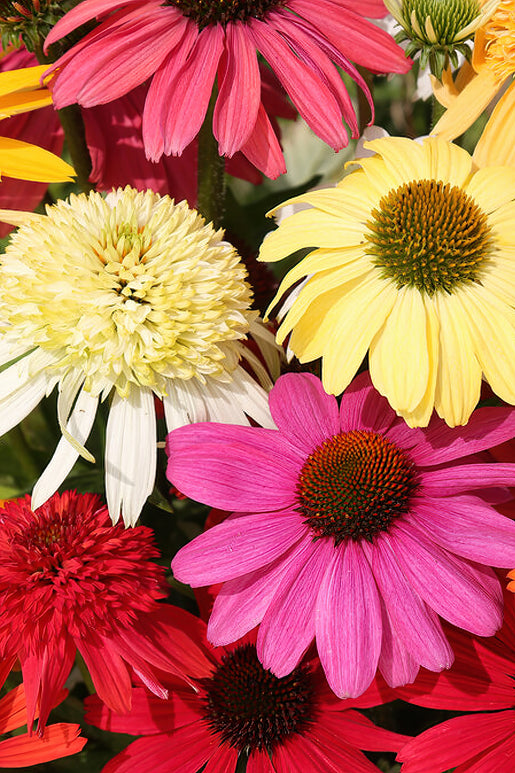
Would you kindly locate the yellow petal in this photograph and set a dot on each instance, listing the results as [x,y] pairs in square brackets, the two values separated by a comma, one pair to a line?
[471,102]
[496,145]
[447,161]
[492,187]
[399,360]
[310,228]
[24,78]
[404,159]
[458,382]
[23,101]
[28,162]
[420,416]
[445,91]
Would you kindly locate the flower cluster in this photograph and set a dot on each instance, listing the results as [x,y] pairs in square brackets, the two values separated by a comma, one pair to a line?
[257,478]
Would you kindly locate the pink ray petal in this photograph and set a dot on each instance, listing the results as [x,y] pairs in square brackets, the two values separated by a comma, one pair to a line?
[288,627]
[87,10]
[185,115]
[301,82]
[241,603]
[362,407]
[467,526]
[349,653]
[262,148]
[413,621]
[303,411]
[466,477]
[396,664]
[233,467]
[237,546]
[239,92]
[446,584]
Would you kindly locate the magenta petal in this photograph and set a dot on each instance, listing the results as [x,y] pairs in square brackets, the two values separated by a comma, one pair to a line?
[466,477]
[395,662]
[262,148]
[487,427]
[288,627]
[87,10]
[348,622]
[236,547]
[446,583]
[413,621]
[303,411]
[239,94]
[467,526]
[241,603]
[362,407]
[233,467]
[223,759]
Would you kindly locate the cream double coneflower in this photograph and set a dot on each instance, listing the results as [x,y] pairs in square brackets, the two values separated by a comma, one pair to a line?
[127,298]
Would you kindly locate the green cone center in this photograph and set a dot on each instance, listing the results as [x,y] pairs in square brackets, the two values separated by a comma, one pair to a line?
[354,484]
[429,235]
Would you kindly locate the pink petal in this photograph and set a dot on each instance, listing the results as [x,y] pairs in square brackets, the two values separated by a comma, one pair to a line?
[87,10]
[236,547]
[322,114]
[233,467]
[466,526]
[239,94]
[262,148]
[414,622]
[487,427]
[288,627]
[362,407]
[396,664]
[224,759]
[348,622]
[185,115]
[465,477]
[161,91]
[303,411]
[241,603]
[446,583]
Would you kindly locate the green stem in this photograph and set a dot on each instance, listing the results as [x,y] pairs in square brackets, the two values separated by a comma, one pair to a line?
[75,135]
[211,171]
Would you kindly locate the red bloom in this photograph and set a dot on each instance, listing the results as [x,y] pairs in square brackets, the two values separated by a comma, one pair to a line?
[238,707]
[481,679]
[70,580]
[185,45]
[58,741]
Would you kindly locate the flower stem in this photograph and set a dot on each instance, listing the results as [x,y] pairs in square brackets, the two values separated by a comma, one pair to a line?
[211,171]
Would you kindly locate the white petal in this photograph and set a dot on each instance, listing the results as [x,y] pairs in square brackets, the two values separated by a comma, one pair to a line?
[10,351]
[68,389]
[251,397]
[184,403]
[22,399]
[78,426]
[131,453]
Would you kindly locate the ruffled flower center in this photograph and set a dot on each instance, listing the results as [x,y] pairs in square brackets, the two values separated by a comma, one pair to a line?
[499,39]
[354,484]
[132,289]
[250,708]
[66,565]
[208,12]
[429,235]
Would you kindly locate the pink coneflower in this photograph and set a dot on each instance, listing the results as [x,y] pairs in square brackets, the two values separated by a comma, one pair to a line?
[70,580]
[481,680]
[188,44]
[352,529]
[238,708]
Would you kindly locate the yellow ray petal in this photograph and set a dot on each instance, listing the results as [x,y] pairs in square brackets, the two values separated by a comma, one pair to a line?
[492,188]
[420,416]
[24,78]
[403,158]
[28,162]
[458,382]
[496,145]
[399,360]
[471,102]
[23,102]
[445,90]
[447,161]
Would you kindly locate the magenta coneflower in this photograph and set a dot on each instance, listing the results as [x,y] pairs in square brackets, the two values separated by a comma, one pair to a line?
[237,707]
[70,580]
[482,680]
[352,529]
[188,44]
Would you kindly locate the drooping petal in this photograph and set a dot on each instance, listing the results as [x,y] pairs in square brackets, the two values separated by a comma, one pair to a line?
[109,673]
[131,452]
[361,407]
[59,740]
[349,653]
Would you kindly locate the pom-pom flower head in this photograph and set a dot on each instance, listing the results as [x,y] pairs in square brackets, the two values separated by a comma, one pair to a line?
[187,45]
[238,710]
[352,529]
[128,297]
[424,244]
[70,580]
